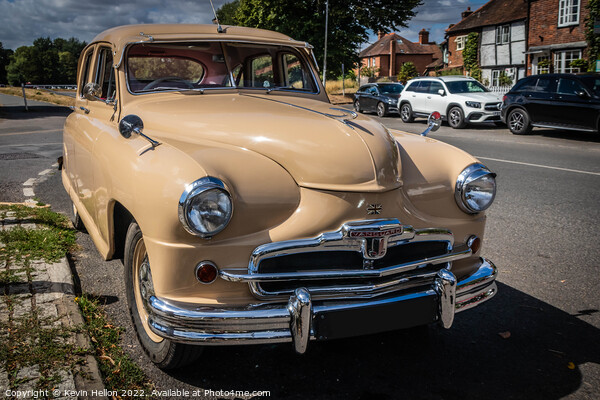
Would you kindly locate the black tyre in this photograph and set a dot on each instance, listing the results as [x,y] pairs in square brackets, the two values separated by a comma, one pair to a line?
[381,109]
[518,122]
[357,106]
[164,353]
[406,113]
[456,118]
[76,219]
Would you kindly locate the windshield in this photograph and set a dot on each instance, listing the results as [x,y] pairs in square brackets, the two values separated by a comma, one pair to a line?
[466,87]
[391,88]
[197,66]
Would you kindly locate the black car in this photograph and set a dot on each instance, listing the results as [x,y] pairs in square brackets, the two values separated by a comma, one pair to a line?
[381,98]
[561,101]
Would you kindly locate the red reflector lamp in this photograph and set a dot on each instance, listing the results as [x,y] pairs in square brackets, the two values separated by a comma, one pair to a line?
[206,272]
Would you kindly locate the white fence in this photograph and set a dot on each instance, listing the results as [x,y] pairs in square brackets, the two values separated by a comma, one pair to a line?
[499,90]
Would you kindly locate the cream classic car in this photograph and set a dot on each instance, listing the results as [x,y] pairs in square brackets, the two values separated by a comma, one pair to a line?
[247,209]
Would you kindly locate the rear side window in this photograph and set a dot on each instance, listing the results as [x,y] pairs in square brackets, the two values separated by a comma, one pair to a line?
[412,87]
[525,85]
[423,87]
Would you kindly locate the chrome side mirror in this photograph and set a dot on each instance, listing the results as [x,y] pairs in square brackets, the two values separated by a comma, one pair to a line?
[92,92]
[433,123]
[132,124]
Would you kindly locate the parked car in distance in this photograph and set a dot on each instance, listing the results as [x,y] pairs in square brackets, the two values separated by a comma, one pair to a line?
[461,100]
[247,209]
[561,101]
[381,98]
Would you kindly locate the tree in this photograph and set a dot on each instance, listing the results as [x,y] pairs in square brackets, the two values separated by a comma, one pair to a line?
[349,23]
[471,56]
[407,72]
[46,62]
[4,60]
[593,39]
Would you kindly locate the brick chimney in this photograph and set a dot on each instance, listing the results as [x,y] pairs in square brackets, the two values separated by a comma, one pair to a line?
[423,36]
[380,35]
[465,14]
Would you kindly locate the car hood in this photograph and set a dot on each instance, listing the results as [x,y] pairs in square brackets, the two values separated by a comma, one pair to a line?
[482,97]
[320,145]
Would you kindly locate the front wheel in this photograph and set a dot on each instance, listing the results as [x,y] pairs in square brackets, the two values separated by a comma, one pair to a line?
[456,118]
[518,122]
[406,113]
[357,106]
[381,109]
[138,280]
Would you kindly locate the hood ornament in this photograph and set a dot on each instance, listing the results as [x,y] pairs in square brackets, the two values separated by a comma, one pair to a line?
[434,122]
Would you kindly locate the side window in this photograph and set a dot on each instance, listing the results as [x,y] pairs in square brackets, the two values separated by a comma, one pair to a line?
[423,87]
[363,89]
[412,87]
[261,71]
[545,85]
[569,86]
[84,78]
[434,88]
[373,90]
[293,73]
[105,74]
[524,85]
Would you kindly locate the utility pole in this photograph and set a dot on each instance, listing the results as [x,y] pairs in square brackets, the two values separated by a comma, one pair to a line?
[325,52]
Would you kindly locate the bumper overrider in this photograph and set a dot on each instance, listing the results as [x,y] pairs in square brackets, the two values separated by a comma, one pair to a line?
[382,294]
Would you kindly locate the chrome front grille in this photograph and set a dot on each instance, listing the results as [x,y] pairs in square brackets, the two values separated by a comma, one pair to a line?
[493,106]
[361,259]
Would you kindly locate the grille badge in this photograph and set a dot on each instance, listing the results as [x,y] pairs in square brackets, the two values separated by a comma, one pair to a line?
[373,209]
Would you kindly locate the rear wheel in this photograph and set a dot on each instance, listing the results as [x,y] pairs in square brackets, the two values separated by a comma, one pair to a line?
[456,118]
[381,109]
[518,122]
[406,113]
[138,279]
[76,219]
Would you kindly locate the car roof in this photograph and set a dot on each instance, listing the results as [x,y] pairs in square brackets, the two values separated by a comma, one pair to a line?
[447,78]
[121,36]
[579,75]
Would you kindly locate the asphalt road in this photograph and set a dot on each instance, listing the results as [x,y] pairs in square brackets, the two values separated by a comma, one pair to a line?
[541,234]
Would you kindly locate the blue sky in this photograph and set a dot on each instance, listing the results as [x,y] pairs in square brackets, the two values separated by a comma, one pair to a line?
[22,21]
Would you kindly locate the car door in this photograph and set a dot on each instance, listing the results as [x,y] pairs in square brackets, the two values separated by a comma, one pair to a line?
[99,125]
[573,105]
[372,98]
[436,101]
[419,96]
[539,99]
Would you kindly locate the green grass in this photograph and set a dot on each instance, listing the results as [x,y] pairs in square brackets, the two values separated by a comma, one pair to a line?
[117,368]
[51,241]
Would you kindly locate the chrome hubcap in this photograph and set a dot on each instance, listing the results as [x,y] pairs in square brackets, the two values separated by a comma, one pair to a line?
[405,112]
[454,117]
[380,110]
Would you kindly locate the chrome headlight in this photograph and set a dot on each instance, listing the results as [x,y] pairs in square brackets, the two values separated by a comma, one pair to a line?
[475,188]
[205,207]
[473,104]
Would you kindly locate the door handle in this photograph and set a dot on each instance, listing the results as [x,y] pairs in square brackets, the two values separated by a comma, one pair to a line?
[85,110]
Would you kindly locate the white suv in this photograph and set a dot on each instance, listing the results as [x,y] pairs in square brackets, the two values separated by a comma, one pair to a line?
[460,100]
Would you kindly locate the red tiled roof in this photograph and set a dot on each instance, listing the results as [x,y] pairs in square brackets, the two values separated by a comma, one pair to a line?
[494,12]
[403,46]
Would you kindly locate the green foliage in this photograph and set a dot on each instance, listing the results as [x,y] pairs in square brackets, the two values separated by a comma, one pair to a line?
[580,63]
[46,61]
[4,60]
[593,40]
[451,71]
[369,72]
[349,23]
[407,72]
[471,53]
[504,80]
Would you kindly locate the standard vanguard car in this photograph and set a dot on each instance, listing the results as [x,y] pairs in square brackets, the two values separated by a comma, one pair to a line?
[461,100]
[381,98]
[561,101]
[248,209]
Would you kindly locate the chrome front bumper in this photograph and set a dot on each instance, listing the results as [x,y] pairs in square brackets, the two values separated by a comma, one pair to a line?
[303,319]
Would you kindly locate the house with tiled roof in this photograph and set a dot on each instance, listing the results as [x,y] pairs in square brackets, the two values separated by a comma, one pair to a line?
[391,51]
[502,29]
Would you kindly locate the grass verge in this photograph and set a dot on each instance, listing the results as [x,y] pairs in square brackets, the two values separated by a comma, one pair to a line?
[39,95]
[118,369]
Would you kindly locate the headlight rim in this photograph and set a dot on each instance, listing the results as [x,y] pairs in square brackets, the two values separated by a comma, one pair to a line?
[469,174]
[194,189]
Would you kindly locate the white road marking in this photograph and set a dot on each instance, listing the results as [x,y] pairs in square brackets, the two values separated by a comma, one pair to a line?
[28,192]
[540,166]
[45,172]
[42,177]
[29,182]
